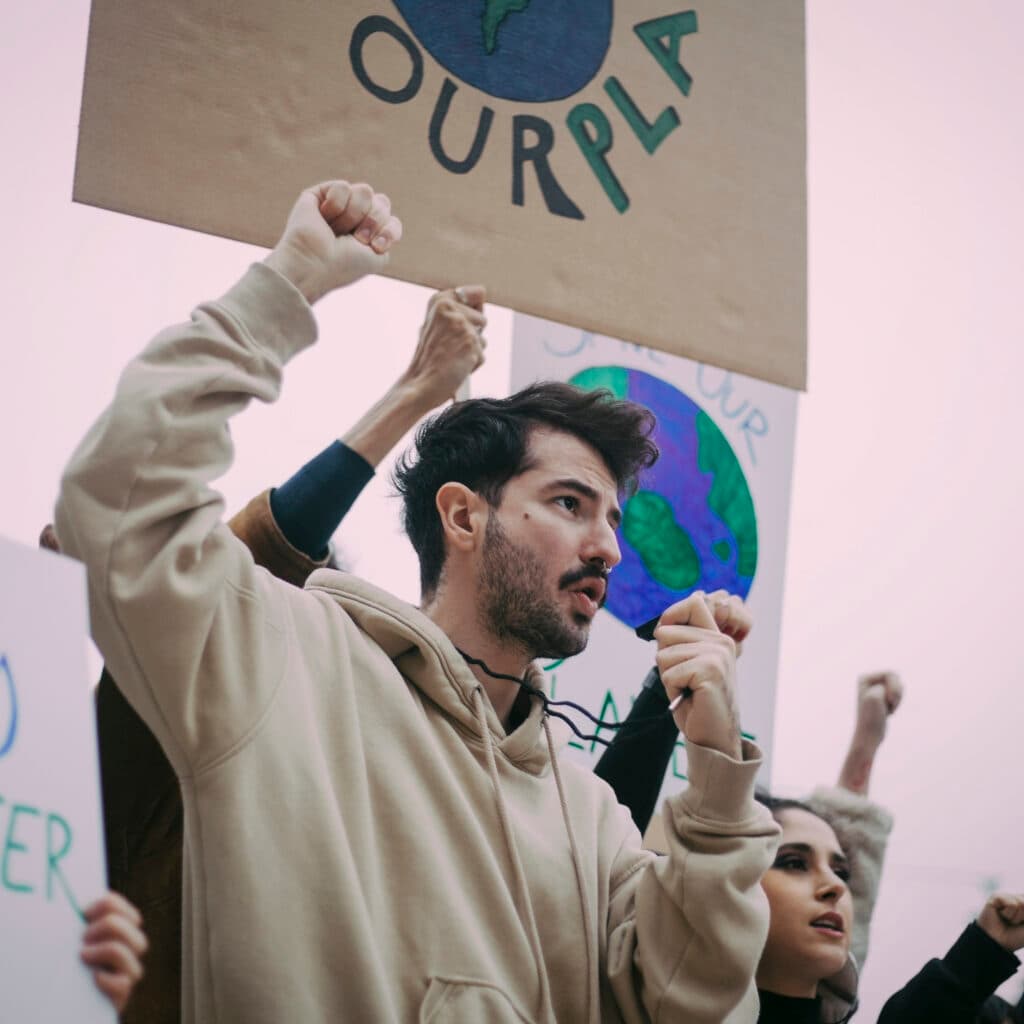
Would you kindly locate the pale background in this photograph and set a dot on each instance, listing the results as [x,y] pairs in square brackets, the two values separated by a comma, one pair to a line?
[904,546]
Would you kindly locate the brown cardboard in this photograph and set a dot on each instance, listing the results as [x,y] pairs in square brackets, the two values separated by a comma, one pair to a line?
[214,116]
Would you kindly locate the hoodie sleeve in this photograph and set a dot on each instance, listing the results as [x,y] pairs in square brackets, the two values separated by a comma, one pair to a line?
[190,628]
[686,932]
[862,828]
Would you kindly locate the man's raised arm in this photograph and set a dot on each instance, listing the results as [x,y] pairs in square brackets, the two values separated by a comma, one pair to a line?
[175,600]
[686,933]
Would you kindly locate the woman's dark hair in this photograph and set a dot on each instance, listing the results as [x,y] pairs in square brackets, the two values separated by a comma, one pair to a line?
[484,443]
[778,804]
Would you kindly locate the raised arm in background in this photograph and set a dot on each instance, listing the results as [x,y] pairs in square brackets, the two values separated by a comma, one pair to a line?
[288,528]
[862,825]
[953,989]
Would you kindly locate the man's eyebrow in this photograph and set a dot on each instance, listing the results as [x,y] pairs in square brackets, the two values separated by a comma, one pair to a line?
[570,483]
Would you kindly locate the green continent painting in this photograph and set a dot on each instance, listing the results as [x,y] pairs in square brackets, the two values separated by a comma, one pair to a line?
[691,525]
[494,14]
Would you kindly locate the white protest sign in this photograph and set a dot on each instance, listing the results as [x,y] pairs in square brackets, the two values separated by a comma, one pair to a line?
[712,514]
[51,847]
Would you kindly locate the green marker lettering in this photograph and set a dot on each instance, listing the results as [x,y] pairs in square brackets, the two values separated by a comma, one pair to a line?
[661,37]
[580,119]
[11,844]
[52,870]
[651,135]
[676,772]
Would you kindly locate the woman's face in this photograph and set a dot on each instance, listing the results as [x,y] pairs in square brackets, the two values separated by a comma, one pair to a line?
[811,908]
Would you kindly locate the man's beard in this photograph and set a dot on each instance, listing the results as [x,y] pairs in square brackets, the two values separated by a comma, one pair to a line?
[514,605]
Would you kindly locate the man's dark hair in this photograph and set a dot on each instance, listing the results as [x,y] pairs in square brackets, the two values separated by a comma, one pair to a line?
[483,443]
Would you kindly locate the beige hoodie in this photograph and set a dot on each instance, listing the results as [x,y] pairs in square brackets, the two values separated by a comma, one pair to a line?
[363,840]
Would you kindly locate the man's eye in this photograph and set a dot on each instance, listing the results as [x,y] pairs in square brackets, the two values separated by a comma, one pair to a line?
[843,873]
[568,502]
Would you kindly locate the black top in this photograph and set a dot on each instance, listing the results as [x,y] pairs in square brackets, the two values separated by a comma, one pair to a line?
[776,1009]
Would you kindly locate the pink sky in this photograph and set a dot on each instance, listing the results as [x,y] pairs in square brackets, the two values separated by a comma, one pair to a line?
[903,549]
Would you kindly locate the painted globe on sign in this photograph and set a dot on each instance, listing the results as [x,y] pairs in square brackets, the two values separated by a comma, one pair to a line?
[532,51]
[691,524]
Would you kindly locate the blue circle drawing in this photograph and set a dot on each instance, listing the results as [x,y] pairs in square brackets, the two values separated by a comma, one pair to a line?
[8,707]
[691,524]
[531,51]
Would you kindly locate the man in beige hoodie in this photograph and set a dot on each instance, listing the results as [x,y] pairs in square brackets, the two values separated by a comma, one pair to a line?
[378,824]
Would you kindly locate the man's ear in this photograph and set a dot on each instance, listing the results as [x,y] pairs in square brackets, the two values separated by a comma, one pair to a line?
[463,515]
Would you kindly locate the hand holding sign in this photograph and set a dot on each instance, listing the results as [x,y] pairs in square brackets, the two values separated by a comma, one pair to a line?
[51,853]
[695,655]
[451,345]
[336,233]
[113,945]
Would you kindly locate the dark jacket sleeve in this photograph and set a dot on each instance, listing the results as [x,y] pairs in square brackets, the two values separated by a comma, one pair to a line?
[288,529]
[310,505]
[257,529]
[636,760]
[951,990]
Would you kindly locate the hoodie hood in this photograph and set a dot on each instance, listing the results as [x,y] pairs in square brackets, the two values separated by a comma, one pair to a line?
[427,658]
[838,994]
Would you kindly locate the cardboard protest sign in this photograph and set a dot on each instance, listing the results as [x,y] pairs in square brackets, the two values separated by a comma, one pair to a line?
[51,847]
[712,514]
[635,169]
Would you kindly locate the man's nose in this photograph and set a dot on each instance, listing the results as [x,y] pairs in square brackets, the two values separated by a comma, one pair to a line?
[604,547]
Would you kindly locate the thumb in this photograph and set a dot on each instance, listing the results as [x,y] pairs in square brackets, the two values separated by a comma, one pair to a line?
[362,260]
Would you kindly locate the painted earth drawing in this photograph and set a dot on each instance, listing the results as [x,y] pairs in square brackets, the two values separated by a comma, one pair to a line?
[691,525]
[531,51]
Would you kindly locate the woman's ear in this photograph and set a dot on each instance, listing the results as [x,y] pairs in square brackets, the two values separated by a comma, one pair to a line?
[463,515]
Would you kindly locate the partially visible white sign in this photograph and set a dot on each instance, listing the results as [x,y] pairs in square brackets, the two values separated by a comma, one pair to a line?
[51,846]
[712,514]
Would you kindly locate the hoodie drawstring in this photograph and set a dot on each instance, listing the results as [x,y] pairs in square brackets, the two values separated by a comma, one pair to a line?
[577,868]
[522,900]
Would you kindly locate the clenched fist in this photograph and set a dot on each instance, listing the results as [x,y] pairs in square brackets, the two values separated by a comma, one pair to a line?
[697,663]
[336,233]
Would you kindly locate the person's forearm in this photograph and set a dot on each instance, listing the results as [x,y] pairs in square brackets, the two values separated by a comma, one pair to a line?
[855,775]
[310,505]
[387,421]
